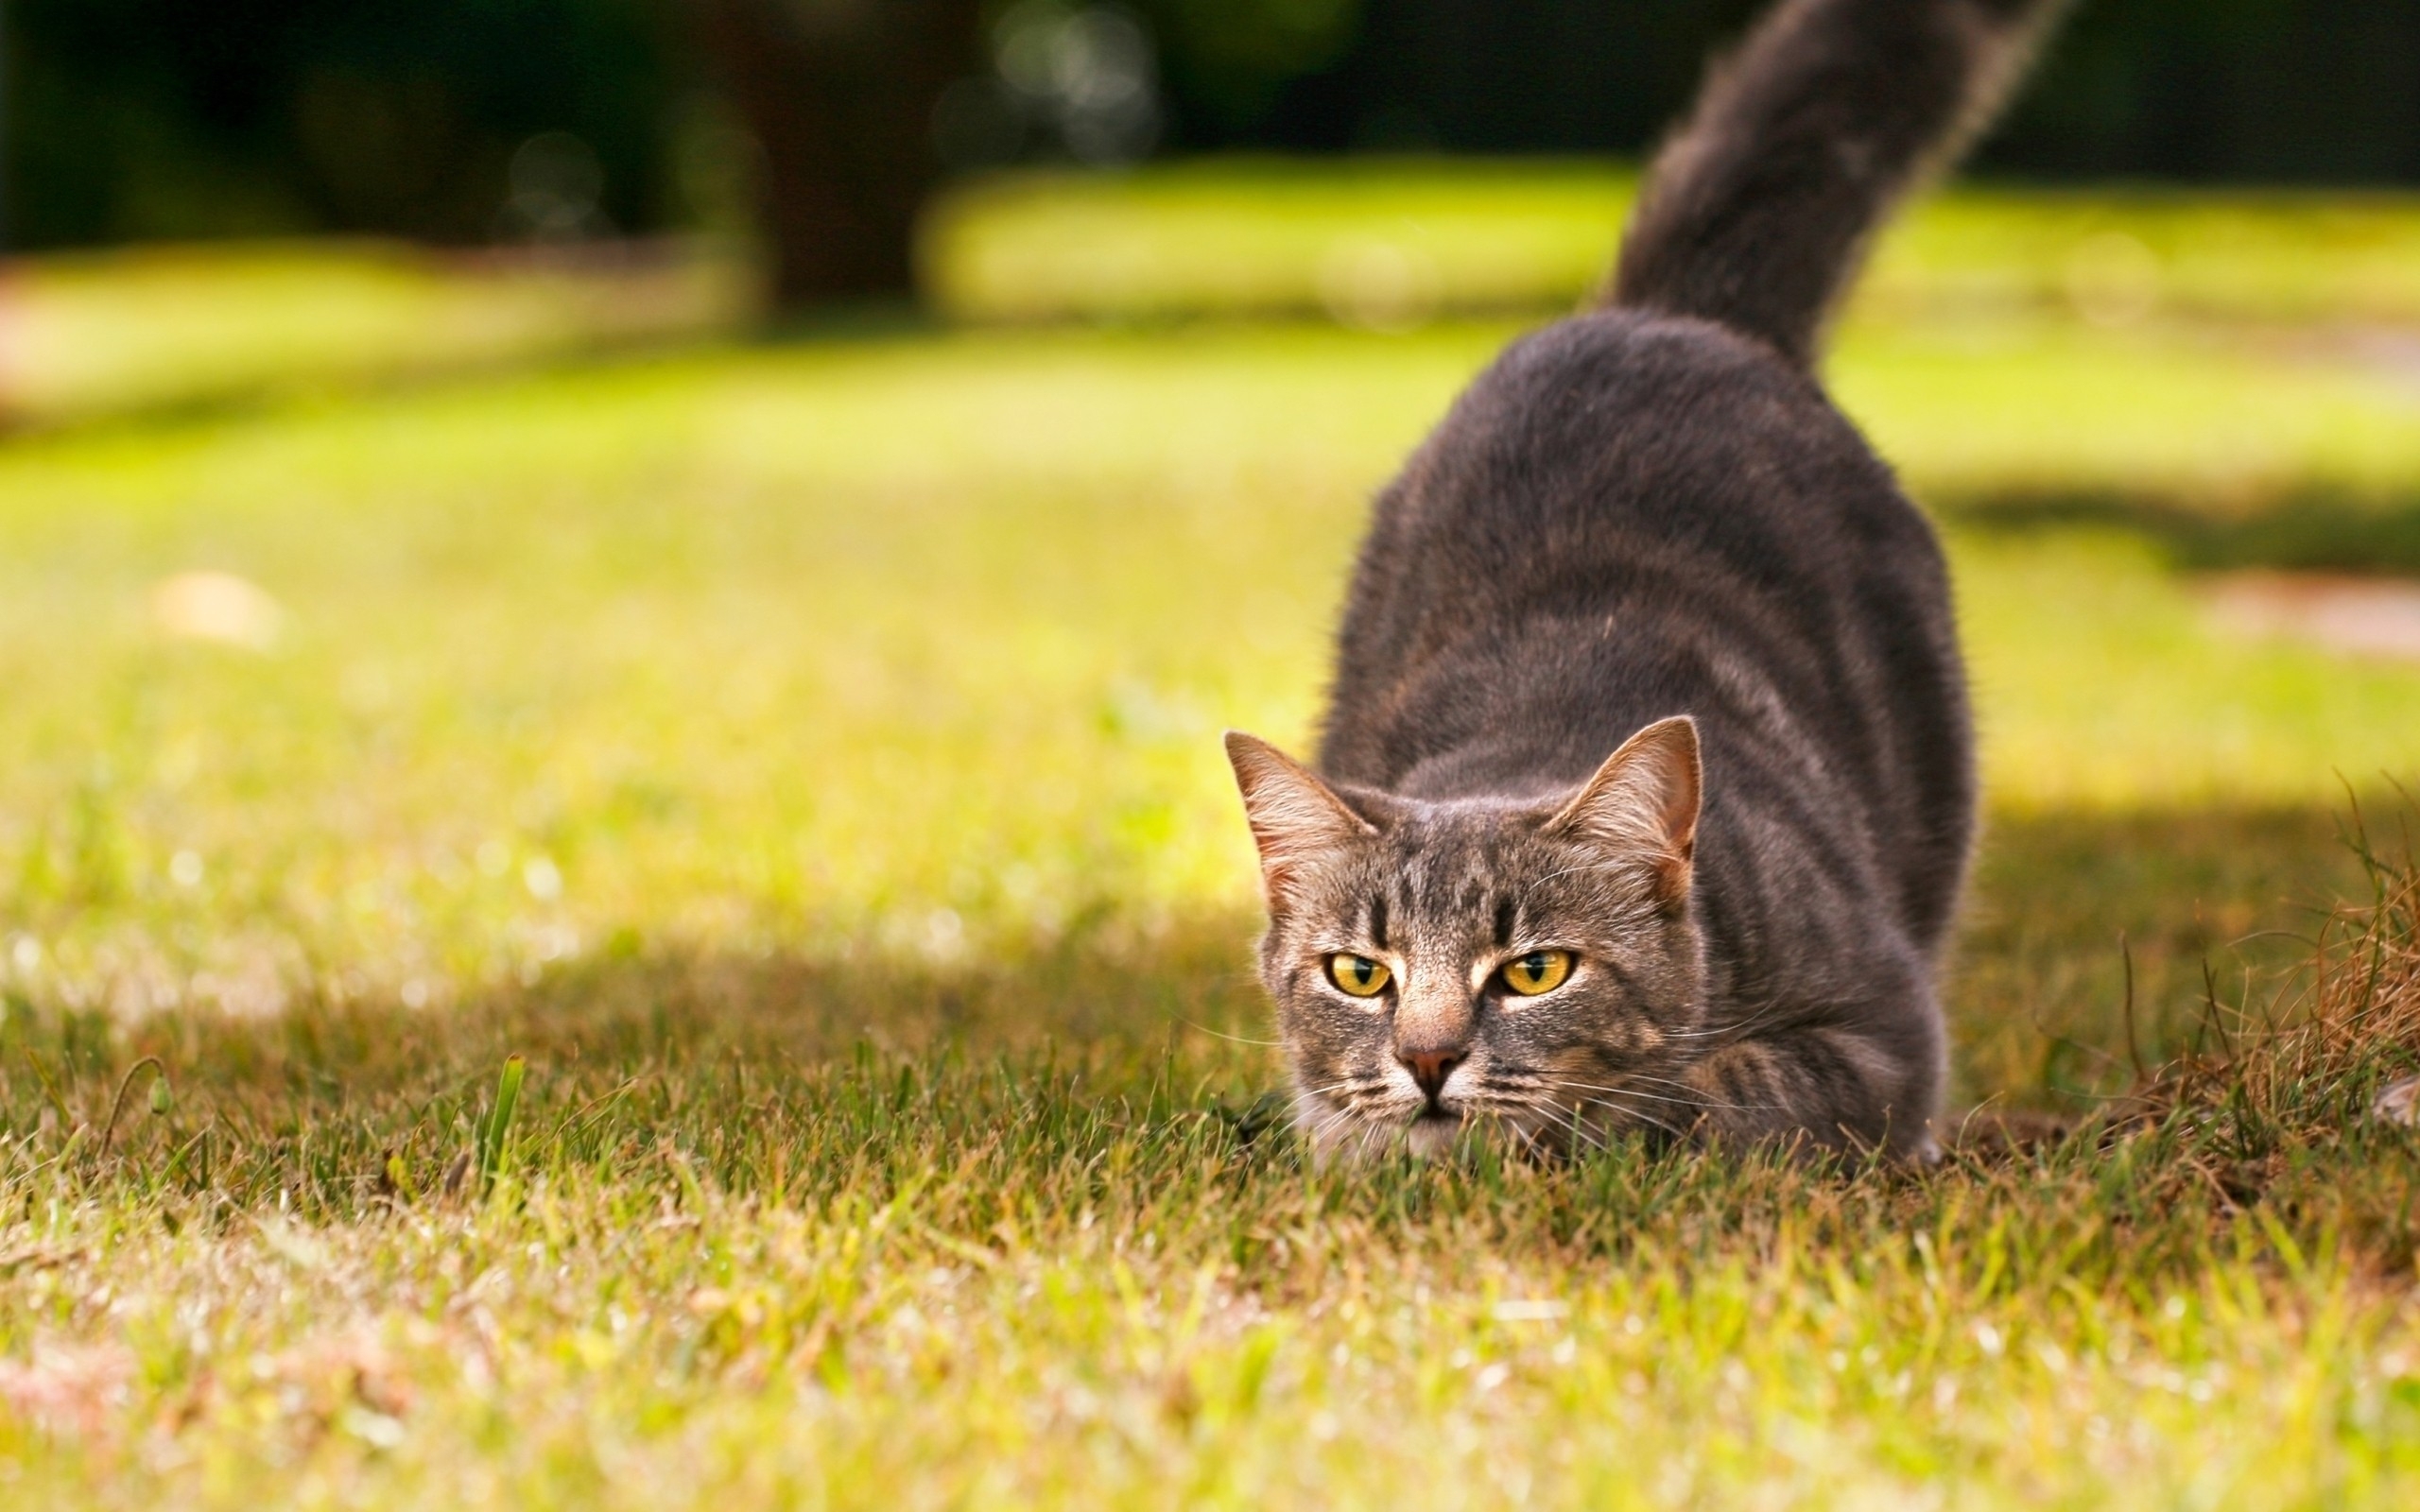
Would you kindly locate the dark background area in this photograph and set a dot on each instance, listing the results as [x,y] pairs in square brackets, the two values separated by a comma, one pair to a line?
[2277,91]
[140,119]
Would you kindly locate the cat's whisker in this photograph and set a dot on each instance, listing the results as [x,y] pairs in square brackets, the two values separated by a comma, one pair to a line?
[1370,1134]
[1697,1102]
[1506,1124]
[1694,1094]
[1355,1081]
[1553,1116]
[1628,1092]
[1563,1120]
[1517,1089]
[1648,1118]
[1697,1096]
[1729,1026]
[1602,1093]
[1323,1099]
[1319,1133]
[1580,1131]
[1231,1038]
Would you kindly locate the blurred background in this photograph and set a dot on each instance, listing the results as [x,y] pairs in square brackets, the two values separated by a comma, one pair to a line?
[714,162]
[498,122]
[620,493]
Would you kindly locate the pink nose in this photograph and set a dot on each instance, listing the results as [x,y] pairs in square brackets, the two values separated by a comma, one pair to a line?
[1430,1068]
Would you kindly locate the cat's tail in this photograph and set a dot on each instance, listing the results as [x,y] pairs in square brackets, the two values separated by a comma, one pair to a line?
[1757,211]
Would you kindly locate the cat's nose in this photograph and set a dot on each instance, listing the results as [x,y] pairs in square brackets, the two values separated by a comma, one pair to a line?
[1430,1068]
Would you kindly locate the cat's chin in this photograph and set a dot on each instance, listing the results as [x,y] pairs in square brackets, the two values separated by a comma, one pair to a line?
[1432,1134]
[1426,1137]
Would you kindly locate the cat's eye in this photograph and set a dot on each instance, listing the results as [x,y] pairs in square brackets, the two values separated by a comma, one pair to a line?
[1357,974]
[1538,971]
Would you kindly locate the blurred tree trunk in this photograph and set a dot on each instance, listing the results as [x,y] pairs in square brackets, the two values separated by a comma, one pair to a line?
[839,93]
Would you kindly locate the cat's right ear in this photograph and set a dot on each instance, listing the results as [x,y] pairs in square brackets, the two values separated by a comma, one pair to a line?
[1296,819]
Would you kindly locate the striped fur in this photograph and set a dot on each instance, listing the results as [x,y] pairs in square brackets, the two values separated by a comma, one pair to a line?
[1646,531]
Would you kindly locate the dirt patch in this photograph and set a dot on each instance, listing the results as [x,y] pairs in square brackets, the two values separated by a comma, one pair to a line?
[2361,616]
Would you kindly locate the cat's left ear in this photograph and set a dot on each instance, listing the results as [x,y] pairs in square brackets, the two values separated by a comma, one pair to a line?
[1644,800]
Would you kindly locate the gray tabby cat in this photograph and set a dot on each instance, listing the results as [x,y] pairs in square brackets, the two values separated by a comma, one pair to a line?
[1646,532]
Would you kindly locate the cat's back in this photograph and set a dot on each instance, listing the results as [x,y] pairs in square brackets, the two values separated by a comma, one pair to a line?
[1618,446]
[1632,515]
[1649,472]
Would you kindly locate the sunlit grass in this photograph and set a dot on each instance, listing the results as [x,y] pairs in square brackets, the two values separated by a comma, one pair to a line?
[2214,423]
[834,651]
[2102,683]
[1392,244]
[1389,240]
[108,333]
[805,758]
[949,1287]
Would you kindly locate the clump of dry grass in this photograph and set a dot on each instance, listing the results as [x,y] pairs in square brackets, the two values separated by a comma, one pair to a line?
[2287,1097]
[2335,1046]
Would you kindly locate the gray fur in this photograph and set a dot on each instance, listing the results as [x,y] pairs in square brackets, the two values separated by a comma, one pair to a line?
[1644,531]
[1758,212]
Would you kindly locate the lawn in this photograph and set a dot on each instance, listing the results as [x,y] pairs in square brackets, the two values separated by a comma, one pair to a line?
[803,756]
[1387,242]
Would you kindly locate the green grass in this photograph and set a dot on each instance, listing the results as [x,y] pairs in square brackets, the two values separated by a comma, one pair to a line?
[139,329]
[805,759]
[1385,243]
[1394,240]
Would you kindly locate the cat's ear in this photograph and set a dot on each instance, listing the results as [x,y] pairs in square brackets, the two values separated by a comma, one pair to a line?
[1296,819]
[1645,800]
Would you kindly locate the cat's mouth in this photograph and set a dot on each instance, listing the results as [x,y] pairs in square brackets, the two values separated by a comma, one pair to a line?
[1428,1128]
[1433,1130]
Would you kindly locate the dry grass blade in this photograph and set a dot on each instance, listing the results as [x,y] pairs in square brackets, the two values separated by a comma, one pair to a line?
[2311,1066]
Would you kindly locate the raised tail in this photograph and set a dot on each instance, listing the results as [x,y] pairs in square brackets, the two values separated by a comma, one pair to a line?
[1757,214]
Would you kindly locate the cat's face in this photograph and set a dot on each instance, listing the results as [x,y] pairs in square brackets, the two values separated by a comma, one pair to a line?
[1465,968]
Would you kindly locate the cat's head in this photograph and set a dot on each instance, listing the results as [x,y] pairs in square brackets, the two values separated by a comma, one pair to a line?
[1473,966]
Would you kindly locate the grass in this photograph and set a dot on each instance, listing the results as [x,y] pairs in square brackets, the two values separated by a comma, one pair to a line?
[1388,244]
[1392,241]
[802,760]
[141,329]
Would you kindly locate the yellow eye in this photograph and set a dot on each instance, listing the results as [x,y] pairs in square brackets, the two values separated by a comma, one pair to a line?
[1357,974]
[1538,971]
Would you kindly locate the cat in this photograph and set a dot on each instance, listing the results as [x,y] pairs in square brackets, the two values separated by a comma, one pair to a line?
[1644,798]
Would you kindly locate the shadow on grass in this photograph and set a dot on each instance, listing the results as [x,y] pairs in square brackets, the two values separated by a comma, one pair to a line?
[2226,901]
[680,1045]
[635,1011]
[2306,531]
[637,1052]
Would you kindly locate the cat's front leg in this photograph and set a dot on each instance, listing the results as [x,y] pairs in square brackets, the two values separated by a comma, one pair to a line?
[1832,1089]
